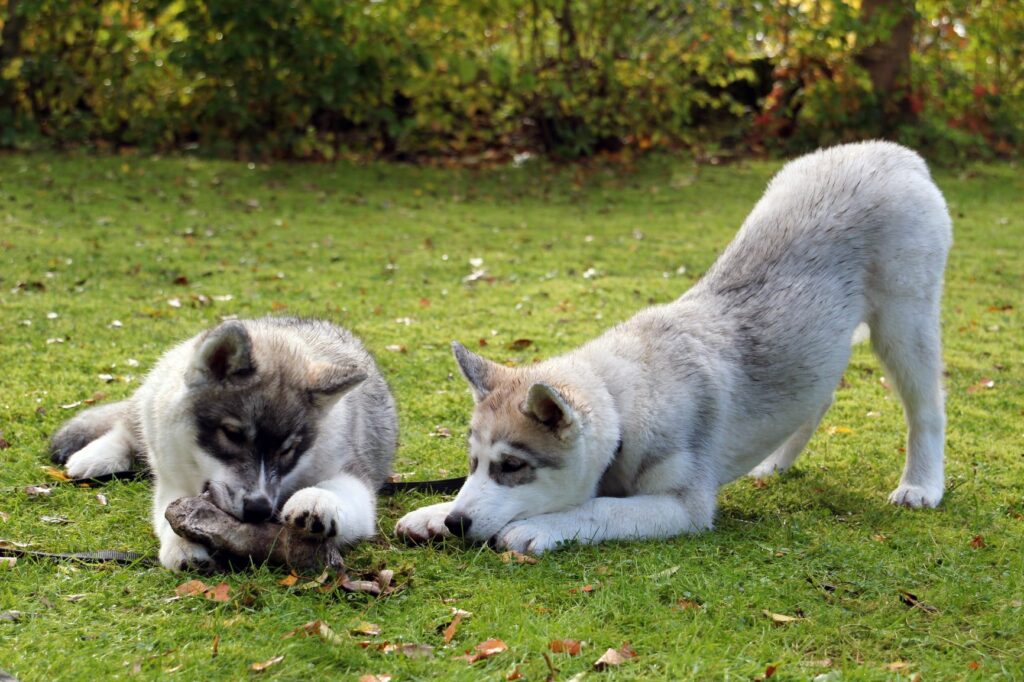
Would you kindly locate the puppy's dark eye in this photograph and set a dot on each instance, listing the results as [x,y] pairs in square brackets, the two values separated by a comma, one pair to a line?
[511,464]
[233,434]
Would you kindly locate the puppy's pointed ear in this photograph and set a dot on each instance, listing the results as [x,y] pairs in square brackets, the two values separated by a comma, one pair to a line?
[550,407]
[481,373]
[225,354]
[327,382]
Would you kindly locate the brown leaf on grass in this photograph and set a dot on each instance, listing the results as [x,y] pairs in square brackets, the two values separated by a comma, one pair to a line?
[289,579]
[485,649]
[779,618]
[911,600]
[613,657]
[449,631]
[56,473]
[520,344]
[896,665]
[977,542]
[517,557]
[686,605]
[96,397]
[215,646]
[407,649]
[974,665]
[366,628]
[382,677]
[315,628]
[516,674]
[192,587]
[261,666]
[769,671]
[760,483]
[586,589]
[3,442]
[565,646]
[482,342]
[982,385]
[218,592]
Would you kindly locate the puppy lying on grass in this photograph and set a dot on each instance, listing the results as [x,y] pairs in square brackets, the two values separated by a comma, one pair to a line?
[631,435]
[278,418]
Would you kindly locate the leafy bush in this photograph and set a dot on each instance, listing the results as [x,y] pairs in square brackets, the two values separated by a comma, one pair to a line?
[569,77]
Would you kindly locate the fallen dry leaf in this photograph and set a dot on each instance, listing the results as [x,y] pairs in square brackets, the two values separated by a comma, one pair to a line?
[514,675]
[449,631]
[779,618]
[520,344]
[375,678]
[586,589]
[289,579]
[396,348]
[192,587]
[260,667]
[769,671]
[565,646]
[982,385]
[366,628]
[613,657]
[216,645]
[977,542]
[911,600]
[55,520]
[485,649]
[38,491]
[74,597]
[518,557]
[218,592]
[686,605]
[407,649]
[53,472]
[896,665]
[102,499]
[316,628]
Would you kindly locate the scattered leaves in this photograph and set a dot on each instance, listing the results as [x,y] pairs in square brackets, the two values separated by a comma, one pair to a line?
[366,628]
[779,618]
[911,600]
[511,556]
[289,579]
[982,385]
[520,344]
[54,472]
[613,657]
[191,588]
[315,628]
[261,666]
[565,646]
[977,542]
[449,631]
[687,604]
[485,649]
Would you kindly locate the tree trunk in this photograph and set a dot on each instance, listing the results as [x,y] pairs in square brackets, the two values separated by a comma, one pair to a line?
[887,60]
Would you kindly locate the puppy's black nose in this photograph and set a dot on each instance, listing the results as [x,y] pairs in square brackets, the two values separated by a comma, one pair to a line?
[256,508]
[458,524]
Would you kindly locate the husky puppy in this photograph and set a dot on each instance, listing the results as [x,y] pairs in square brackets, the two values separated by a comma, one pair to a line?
[277,417]
[631,435]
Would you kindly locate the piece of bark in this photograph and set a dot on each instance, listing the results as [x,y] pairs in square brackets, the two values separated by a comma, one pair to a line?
[200,520]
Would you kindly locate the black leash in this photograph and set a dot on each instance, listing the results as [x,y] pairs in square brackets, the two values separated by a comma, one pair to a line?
[443,486]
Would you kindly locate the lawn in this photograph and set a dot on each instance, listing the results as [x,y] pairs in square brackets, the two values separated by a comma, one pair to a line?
[108,261]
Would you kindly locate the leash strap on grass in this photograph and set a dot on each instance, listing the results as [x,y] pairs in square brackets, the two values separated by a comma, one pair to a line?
[440,486]
[101,557]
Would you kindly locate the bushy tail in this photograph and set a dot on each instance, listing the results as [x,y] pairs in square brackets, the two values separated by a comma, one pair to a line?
[84,428]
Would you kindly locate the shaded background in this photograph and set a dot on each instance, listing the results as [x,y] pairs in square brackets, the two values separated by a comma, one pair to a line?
[409,79]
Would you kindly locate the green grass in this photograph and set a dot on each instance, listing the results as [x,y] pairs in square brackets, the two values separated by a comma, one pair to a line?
[383,250]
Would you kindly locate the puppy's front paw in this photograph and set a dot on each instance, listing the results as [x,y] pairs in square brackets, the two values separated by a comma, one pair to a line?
[315,512]
[916,496]
[527,537]
[178,554]
[423,524]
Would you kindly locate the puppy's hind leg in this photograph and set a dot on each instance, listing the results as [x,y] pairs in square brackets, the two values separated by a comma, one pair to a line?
[905,334]
[84,428]
[786,454]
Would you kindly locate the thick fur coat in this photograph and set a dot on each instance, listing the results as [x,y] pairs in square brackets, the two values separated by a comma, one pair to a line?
[276,417]
[631,435]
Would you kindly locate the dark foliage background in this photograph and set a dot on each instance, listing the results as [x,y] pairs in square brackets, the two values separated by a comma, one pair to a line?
[412,78]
